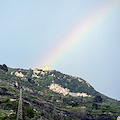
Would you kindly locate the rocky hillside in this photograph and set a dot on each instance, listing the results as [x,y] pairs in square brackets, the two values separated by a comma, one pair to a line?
[56,81]
[52,95]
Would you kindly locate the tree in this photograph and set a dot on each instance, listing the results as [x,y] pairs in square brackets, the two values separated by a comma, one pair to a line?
[95,106]
[31,81]
[3,91]
[4,67]
[79,112]
[0,66]
[98,99]
[29,112]
[29,73]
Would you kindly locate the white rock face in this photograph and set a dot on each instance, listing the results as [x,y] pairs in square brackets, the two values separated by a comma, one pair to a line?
[88,84]
[118,118]
[12,100]
[52,75]
[58,89]
[43,73]
[36,71]
[80,80]
[34,75]
[11,73]
[19,74]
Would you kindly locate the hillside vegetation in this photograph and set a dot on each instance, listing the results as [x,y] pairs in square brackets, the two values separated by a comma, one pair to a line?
[52,95]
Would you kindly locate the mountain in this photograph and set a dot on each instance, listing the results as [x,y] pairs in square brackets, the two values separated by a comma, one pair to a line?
[52,95]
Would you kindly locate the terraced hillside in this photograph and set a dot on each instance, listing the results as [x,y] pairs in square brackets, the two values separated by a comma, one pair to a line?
[52,95]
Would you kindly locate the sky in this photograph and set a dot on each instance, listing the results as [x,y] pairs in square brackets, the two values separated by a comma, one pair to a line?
[76,37]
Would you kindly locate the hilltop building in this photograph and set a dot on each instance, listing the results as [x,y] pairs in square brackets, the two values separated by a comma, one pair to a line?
[45,68]
[37,71]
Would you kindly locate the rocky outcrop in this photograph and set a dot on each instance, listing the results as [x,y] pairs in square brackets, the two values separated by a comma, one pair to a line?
[58,89]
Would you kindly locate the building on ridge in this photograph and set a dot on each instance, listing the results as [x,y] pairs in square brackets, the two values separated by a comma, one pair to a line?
[45,68]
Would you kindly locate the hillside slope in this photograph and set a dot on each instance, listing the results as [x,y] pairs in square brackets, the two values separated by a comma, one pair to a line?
[56,80]
[52,95]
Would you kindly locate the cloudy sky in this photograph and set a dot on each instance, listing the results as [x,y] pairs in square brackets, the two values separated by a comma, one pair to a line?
[76,37]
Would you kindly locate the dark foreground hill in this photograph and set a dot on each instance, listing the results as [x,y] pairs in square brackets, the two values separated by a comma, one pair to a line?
[51,95]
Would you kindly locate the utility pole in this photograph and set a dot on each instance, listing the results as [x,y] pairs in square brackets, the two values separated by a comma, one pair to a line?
[19,113]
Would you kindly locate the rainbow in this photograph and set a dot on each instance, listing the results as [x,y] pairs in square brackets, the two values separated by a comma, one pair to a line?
[78,34]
